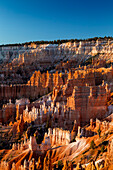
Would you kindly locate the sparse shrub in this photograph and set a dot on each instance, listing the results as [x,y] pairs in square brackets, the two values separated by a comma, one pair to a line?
[60,165]
[73,140]
[99,132]
[102,148]
[92,144]
[47,124]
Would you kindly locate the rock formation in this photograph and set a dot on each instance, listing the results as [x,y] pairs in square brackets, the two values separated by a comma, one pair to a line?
[54,101]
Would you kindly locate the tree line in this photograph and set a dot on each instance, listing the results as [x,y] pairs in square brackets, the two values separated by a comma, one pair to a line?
[56,41]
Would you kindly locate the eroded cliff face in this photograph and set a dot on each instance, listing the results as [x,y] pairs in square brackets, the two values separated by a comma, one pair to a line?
[51,53]
[60,112]
[20,62]
[40,84]
[77,89]
[82,153]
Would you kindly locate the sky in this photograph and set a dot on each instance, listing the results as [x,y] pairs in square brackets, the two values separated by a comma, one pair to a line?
[34,20]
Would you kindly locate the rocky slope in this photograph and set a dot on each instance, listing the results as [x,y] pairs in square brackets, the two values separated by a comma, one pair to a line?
[61,118]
